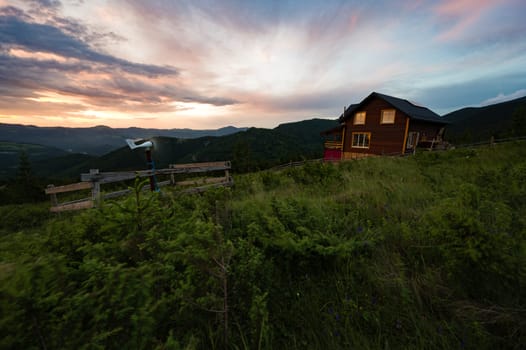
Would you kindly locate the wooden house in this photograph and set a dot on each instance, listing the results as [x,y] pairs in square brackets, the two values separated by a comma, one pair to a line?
[383,125]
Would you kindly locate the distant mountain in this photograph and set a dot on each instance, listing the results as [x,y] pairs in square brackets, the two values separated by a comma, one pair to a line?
[474,124]
[10,151]
[250,150]
[307,131]
[96,140]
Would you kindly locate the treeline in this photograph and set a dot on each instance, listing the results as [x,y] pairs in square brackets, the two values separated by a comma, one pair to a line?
[426,252]
[251,150]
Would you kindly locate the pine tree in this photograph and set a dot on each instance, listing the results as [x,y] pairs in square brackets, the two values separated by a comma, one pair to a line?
[24,173]
[27,186]
[242,157]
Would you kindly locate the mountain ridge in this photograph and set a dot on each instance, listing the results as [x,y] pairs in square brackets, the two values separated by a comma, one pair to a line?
[252,149]
[472,124]
[248,148]
[97,140]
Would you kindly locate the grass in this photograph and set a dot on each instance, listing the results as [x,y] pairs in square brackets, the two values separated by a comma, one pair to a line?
[424,252]
[404,207]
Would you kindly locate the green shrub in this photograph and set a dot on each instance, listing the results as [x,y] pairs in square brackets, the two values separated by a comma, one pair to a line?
[16,217]
[426,252]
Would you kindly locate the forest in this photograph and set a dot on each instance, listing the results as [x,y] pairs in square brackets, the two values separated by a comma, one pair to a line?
[420,252]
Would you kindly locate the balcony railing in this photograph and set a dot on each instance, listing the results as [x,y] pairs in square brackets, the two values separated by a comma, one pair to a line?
[333,145]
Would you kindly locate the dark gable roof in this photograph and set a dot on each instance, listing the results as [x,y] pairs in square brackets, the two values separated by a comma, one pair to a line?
[412,110]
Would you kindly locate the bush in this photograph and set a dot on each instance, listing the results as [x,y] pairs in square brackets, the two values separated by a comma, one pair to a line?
[421,252]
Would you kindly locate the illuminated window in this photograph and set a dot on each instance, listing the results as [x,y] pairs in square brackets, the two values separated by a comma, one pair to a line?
[388,116]
[361,139]
[359,118]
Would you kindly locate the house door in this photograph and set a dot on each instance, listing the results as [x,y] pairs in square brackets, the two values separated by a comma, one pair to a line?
[412,139]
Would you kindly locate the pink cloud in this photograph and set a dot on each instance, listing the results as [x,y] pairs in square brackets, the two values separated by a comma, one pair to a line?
[459,16]
[412,4]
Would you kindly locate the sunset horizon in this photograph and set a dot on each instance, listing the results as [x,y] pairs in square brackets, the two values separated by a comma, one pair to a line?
[207,65]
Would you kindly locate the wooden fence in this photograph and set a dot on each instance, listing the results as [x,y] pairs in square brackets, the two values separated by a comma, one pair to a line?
[93,180]
[492,141]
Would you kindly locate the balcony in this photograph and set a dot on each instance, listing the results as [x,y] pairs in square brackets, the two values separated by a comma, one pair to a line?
[333,145]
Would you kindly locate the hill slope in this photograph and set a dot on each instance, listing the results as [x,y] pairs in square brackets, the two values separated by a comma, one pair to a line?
[423,252]
[474,124]
[10,151]
[249,150]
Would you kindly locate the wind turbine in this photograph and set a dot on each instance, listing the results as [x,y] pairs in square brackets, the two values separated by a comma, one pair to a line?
[147,145]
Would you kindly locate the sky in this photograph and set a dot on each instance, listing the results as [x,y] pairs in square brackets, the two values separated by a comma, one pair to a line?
[205,64]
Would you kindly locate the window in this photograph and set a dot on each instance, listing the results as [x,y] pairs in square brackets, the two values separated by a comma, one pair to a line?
[388,116]
[359,118]
[361,139]
[412,139]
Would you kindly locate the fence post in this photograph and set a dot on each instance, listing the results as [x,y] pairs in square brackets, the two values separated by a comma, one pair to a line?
[53,196]
[172,176]
[492,141]
[95,187]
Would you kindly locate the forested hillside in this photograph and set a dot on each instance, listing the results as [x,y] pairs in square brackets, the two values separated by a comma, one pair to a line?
[10,153]
[250,150]
[474,124]
[424,252]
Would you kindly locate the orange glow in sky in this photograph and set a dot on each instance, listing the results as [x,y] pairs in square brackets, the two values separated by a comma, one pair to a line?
[189,64]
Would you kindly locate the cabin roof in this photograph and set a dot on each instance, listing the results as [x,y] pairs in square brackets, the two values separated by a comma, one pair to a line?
[412,110]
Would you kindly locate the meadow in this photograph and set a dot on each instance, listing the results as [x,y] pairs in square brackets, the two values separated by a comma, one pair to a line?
[420,252]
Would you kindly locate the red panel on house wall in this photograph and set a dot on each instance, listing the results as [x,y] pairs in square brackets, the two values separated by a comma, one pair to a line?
[332,154]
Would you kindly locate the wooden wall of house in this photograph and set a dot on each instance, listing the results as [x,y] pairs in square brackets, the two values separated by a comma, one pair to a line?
[385,138]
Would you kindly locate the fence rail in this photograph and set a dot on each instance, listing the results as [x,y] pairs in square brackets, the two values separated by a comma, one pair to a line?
[297,163]
[83,203]
[491,141]
[333,144]
[94,179]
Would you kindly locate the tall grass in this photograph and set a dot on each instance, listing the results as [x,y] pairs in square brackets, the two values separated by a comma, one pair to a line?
[425,252]
[434,240]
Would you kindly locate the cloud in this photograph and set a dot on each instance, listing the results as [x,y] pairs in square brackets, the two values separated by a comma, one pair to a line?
[49,4]
[246,48]
[467,20]
[48,12]
[459,10]
[43,8]
[14,12]
[503,97]
[449,97]
[218,60]
[57,57]
[16,32]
